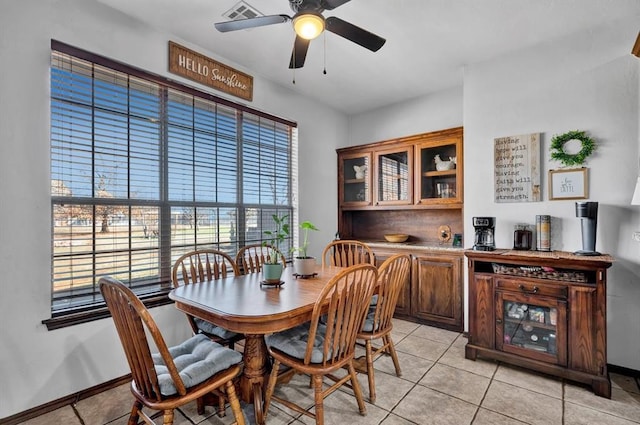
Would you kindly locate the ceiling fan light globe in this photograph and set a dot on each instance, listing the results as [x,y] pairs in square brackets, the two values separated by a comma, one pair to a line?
[308,25]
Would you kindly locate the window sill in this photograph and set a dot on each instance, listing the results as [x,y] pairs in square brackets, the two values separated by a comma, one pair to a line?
[99,312]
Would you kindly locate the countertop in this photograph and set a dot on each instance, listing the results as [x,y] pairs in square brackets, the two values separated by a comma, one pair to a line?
[414,246]
[504,255]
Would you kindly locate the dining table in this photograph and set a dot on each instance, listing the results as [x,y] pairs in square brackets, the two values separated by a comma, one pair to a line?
[247,304]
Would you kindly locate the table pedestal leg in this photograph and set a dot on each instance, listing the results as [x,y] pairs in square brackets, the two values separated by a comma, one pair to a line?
[255,370]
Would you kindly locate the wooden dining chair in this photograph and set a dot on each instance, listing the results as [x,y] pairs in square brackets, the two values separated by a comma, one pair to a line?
[251,257]
[174,376]
[198,266]
[345,253]
[393,274]
[319,348]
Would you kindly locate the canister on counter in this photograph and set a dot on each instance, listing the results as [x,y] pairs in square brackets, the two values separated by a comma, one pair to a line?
[543,233]
[522,237]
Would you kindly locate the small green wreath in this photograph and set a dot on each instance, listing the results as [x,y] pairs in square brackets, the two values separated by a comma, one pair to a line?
[558,142]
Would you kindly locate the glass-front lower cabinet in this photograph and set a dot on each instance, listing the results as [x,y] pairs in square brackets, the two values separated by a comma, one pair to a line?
[532,326]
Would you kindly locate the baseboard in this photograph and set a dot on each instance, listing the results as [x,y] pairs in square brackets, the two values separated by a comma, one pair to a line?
[64,401]
[620,370]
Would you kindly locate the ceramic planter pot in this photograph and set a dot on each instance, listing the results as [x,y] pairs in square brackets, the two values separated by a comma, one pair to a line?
[272,272]
[304,266]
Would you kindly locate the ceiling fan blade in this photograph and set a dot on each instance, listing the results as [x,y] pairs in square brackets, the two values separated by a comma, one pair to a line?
[353,33]
[299,53]
[260,21]
[332,4]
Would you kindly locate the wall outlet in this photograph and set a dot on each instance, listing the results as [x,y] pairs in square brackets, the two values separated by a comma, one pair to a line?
[636,236]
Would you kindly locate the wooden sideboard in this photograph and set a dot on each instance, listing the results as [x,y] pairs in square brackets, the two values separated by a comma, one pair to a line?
[541,310]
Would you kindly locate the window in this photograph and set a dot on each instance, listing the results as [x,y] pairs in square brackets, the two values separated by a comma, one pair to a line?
[144,169]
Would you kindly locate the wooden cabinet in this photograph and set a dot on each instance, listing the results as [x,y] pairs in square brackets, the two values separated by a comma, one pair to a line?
[436,289]
[538,332]
[403,306]
[438,176]
[395,186]
[433,294]
[394,176]
[403,173]
[545,311]
[355,184]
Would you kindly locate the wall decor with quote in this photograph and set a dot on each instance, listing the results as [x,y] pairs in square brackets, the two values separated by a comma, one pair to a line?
[517,168]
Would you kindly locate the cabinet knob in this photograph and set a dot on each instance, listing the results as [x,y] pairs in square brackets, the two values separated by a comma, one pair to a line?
[499,321]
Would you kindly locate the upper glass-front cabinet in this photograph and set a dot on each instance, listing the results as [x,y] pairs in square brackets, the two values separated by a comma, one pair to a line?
[439,177]
[355,179]
[394,175]
[421,171]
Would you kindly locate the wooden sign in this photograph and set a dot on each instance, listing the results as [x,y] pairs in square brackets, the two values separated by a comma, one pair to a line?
[204,70]
[517,168]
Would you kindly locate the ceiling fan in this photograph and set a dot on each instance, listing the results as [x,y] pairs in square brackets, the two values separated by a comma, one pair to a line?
[309,23]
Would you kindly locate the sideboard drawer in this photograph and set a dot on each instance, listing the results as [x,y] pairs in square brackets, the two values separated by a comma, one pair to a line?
[524,286]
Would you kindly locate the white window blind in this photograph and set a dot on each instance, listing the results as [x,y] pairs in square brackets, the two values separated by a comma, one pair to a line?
[144,169]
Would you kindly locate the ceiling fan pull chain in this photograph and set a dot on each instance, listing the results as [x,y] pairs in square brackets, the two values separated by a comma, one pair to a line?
[324,43]
[294,68]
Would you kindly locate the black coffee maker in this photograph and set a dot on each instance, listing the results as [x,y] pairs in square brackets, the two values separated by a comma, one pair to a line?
[484,229]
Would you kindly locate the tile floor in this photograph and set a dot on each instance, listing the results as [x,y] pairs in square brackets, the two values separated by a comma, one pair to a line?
[438,386]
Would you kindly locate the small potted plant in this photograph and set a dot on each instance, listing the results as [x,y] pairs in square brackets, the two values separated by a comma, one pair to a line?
[272,268]
[303,264]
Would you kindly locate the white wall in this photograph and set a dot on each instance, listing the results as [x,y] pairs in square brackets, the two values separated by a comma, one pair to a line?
[588,81]
[434,112]
[38,366]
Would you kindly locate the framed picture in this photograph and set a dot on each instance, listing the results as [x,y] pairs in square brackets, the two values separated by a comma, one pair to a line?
[568,184]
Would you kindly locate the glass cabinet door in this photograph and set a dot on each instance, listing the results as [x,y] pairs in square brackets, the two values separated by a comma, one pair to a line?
[355,181]
[439,179]
[394,177]
[532,326]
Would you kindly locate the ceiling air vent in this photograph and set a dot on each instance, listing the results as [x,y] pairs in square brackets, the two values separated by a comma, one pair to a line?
[242,10]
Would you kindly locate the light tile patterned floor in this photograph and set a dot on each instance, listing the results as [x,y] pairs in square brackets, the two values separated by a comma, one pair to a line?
[438,386]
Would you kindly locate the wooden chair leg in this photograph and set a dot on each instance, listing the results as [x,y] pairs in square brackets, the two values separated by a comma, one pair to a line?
[318,398]
[370,373]
[392,350]
[168,417]
[234,403]
[135,413]
[356,389]
[221,407]
[273,378]
[200,406]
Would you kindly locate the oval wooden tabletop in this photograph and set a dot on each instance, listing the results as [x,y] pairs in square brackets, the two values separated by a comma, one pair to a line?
[244,304]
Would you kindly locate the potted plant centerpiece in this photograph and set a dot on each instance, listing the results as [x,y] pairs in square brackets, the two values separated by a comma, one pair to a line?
[272,268]
[304,265]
